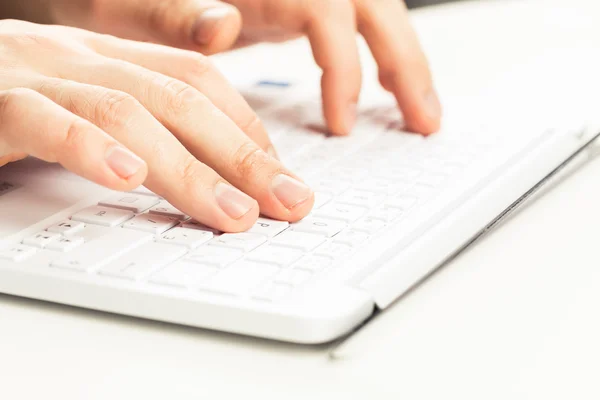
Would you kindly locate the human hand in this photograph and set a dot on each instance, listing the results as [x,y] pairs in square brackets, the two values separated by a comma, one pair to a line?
[210,26]
[123,113]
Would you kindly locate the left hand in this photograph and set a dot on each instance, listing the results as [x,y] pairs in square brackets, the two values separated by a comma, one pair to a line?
[211,26]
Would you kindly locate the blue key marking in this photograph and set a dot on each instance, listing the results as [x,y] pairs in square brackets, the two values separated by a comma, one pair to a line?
[279,84]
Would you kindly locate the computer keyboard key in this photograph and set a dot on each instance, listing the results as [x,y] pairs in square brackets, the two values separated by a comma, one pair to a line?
[42,239]
[352,237]
[65,244]
[333,186]
[298,240]
[293,277]
[193,224]
[387,213]
[319,226]
[242,277]
[104,216]
[314,263]
[130,202]
[168,210]
[272,292]
[385,186]
[184,273]
[335,250]
[361,198]
[369,225]
[190,238]
[68,227]
[17,253]
[321,198]
[269,227]
[342,212]
[402,202]
[214,255]
[155,224]
[242,241]
[102,250]
[143,260]
[270,254]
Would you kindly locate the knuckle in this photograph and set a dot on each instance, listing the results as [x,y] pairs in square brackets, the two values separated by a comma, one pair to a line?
[196,65]
[158,14]
[11,102]
[74,137]
[116,109]
[191,172]
[249,161]
[179,97]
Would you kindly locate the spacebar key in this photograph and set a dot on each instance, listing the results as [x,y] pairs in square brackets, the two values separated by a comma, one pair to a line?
[103,250]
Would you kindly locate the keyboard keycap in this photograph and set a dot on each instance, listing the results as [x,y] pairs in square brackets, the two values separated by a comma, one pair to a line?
[215,255]
[321,198]
[190,238]
[314,263]
[242,241]
[130,202]
[387,213]
[269,227]
[17,253]
[184,273]
[103,250]
[369,225]
[298,240]
[166,209]
[402,202]
[281,256]
[143,260]
[67,227]
[361,198]
[103,216]
[319,226]
[342,212]
[65,244]
[241,278]
[293,277]
[272,292]
[352,237]
[193,224]
[42,239]
[155,224]
[334,250]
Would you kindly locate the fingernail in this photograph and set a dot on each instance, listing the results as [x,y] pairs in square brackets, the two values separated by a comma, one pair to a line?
[289,191]
[350,117]
[272,152]
[123,162]
[433,107]
[207,24]
[233,201]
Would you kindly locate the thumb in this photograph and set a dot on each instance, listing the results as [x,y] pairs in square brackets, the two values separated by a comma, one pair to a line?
[206,26]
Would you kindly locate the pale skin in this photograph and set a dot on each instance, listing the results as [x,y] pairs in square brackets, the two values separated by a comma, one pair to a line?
[145,105]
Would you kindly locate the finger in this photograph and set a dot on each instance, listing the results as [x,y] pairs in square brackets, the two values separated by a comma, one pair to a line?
[331,28]
[174,173]
[207,26]
[403,67]
[195,70]
[53,134]
[209,135]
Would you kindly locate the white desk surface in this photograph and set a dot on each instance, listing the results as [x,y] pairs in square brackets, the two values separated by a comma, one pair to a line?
[515,317]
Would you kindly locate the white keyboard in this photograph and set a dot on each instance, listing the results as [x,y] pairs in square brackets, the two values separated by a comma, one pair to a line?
[377,186]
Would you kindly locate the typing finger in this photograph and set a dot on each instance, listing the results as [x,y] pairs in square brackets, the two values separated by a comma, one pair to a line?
[331,28]
[173,172]
[54,134]
[403,68]
[195,70]
[208,134]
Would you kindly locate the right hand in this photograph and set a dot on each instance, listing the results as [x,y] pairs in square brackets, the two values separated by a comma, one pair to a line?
[122,113]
